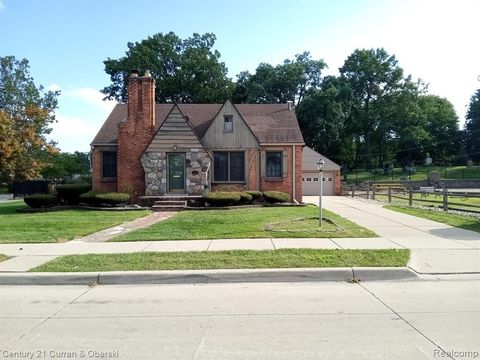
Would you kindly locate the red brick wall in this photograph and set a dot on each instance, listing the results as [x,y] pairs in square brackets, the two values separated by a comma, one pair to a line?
[252,169]
[338,185]
[97,183]
[135,135]
[285,184]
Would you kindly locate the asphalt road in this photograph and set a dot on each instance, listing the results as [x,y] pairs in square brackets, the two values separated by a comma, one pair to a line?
[329,320]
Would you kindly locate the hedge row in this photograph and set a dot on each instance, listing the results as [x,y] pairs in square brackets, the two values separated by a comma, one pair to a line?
[73,194]
[94,198]
[229,198]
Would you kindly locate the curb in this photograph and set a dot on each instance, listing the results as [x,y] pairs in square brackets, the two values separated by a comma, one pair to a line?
[209,276]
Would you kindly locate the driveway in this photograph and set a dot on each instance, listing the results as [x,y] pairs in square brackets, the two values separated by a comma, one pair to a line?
[436,247]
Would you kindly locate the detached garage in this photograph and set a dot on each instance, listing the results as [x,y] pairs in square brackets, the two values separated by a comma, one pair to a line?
[311,176]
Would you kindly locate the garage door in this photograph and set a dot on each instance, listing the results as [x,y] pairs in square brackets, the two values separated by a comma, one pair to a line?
[311,184]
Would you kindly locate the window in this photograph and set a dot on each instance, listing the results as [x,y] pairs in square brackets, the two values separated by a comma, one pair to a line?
[109,164]
[274,164]
[315,179]
[228,124]
[229,166]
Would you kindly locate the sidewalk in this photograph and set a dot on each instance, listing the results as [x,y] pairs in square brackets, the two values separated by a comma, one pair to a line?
[436,248]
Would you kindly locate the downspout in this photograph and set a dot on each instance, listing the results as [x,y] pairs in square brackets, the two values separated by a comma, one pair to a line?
[293,175]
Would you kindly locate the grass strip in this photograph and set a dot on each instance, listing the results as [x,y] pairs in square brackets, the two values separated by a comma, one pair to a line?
[460,221]
[3,257]
[232,259]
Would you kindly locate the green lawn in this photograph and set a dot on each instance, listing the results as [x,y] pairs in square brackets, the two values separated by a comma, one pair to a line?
[234,259]
[464,222]
[3,191]
[456,202]
[265,222]
[56,226]
[3,257]
[452,172]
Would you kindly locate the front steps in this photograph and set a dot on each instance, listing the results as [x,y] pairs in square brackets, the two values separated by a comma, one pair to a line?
[168,202]
[169,205]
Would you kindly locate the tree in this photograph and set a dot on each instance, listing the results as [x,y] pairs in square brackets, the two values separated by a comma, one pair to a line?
[186,71]
[290,81]
[322,116]
[67,166]
[373,75]
[26,113]
[472,127]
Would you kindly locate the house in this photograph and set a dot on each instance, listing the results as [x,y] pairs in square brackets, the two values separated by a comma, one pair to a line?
[310,174]
[156,149]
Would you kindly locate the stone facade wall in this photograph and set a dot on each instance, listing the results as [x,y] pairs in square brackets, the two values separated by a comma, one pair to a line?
[197,163]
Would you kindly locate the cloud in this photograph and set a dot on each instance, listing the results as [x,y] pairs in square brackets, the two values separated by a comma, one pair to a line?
[90,96]
[73,133]
[80,114]
[52,87]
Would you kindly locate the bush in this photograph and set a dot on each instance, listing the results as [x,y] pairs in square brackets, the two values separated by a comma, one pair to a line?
[255,194]
[113,198]
[41,201]
[90,198]
[276,197]
[245,197]
[70,193]
[222,198]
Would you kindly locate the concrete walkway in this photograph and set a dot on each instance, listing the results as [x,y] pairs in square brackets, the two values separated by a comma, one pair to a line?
[436,248]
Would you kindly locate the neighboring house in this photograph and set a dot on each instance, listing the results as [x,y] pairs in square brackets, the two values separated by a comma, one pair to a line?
[311,176]
[155,149]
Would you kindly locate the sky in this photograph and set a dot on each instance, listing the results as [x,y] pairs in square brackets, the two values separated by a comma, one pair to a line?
[66,42]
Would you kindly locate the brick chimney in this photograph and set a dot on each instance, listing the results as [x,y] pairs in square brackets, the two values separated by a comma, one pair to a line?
[135,134]
[141,99]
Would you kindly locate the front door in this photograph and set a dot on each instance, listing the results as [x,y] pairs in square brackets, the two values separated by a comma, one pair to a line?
[176,173]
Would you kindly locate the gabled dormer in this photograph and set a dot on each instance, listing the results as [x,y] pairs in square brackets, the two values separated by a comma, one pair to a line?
[228,130]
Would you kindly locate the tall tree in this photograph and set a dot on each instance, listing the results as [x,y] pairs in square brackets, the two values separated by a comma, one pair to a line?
[26,113]
[373,75]
[187,71]
[290,81]
[322,116]
[472,127]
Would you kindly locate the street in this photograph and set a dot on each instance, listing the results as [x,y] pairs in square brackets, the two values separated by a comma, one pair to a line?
[324,320]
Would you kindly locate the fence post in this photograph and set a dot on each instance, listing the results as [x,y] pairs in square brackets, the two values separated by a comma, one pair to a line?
[445,199]
[353,191]
[389,194]
[446,173]
[410,197]
[373,192]
[368,191]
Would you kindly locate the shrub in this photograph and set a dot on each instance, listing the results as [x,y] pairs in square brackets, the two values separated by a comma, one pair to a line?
[113,198]
[276,197]
[222,198]
[245,197]
[41,201]
[90,198]
[70,193]
[255,194]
